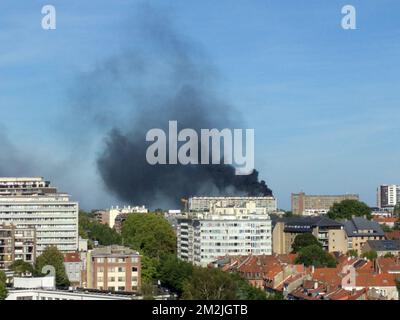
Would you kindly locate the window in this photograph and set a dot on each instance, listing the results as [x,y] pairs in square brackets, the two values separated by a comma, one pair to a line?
[25,298]
[121,288]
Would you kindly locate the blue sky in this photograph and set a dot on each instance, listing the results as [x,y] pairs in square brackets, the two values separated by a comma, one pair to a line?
[324,102]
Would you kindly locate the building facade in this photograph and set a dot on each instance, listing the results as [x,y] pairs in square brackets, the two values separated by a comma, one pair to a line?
[109,216]
[113,268]
[205,203]
[359,231]
[330,233]
[203,237]
[31,203]
[16,244]
[382,247]
[310,205]
[388,195]
[74,268]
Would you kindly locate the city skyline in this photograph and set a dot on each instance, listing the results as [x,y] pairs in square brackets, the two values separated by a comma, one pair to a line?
[322,100]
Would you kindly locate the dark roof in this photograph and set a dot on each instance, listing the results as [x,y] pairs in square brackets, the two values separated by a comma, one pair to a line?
[326,222]
[356,224]
[306,224]
[384,245]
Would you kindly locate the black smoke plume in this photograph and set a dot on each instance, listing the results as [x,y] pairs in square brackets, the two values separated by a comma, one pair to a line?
[164,77]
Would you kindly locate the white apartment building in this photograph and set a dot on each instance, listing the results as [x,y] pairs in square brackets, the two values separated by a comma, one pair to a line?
[32,203]
[205,203]
[115,211]
[388,195]
[203,237]
[108,216]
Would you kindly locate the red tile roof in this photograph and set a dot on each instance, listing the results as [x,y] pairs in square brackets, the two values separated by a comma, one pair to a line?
[342,294]
[329,276]
[391,265]
[367,267]
[376,280]
[72,257]
[385,220]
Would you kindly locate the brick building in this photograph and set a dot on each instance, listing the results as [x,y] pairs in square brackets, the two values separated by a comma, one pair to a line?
[114,268]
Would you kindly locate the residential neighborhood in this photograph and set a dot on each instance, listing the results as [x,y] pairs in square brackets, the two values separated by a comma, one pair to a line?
[345,252]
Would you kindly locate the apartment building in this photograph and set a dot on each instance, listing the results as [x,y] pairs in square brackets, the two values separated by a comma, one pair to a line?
[388,195]
[360,230]
[102,216]
[382,247]
[114,268]
[330,233]
[206,203]
[309,205]
[74,267]
[33,204]
[109,216]
[241,230]
[119,221]
[16,244]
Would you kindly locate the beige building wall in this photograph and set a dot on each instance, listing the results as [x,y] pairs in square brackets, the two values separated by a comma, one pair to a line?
[301,202]
[337,241]
[357,243]
[282,241]
[278,239]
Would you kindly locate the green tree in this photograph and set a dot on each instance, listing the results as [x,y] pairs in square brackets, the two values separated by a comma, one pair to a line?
[275,296]
[21,267]
[210,284]
[288,214]
[149,269]
[315,256]
[245,291]
[3,277]
[386,228]
[348,208]
[370,255]
[388,255]
[93,230]
[304,240]
[53,257]
[150,234]
[352,253]
[3,287]
[147,290]
[173,273]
